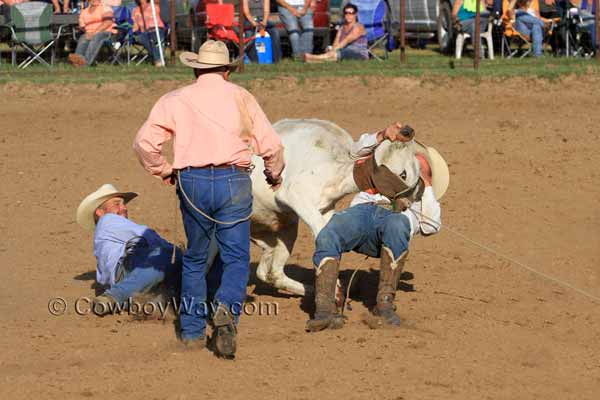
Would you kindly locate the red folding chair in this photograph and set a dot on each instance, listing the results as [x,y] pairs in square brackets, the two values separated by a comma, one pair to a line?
[220,25]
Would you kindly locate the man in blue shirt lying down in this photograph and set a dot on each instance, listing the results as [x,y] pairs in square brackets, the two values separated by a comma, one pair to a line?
[131,258]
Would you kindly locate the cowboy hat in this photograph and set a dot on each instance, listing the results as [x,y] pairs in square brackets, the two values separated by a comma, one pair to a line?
[440,175]
[87,208]
[212,54]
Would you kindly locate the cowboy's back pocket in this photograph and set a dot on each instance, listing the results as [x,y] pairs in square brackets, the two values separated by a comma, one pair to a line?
[240,189]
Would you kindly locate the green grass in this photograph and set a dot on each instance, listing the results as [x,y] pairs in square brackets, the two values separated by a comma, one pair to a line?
[421,63]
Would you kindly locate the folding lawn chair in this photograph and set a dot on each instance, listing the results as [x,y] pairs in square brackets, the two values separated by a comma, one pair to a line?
[574,38]
[220,26]
[513,42]
[121,41]
[30,30]
[374,15]
[487,35]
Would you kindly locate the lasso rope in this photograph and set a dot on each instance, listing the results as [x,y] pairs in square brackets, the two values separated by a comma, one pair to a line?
[510,259]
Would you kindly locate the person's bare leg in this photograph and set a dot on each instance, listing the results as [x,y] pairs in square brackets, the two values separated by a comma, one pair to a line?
[329,56]
[66,8]
[56,6]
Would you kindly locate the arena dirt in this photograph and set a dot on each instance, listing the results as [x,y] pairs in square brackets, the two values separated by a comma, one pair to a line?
[524,161]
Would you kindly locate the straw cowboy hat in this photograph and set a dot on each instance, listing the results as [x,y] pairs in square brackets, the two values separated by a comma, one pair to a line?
[440,175]
[87,208]
[212,54]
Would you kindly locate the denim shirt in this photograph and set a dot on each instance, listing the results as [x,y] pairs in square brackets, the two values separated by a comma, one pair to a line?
[111,237]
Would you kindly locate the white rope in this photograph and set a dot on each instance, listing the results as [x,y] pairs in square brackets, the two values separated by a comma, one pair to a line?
[512,260]
[208,217]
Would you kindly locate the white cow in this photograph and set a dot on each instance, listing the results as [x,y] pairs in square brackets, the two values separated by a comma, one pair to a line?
[318,173]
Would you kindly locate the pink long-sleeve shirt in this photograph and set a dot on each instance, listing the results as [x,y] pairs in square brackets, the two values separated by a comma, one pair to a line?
[213,122]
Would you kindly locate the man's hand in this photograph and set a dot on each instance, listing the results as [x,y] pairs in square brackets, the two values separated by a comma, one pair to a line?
[302,12]
[397,132]
[168,176]
[274,183]
[295,12]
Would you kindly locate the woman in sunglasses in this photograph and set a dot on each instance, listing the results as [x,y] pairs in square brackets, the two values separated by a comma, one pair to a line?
[350,41]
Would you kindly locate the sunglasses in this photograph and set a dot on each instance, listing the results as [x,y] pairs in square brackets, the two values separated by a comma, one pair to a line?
[349,12]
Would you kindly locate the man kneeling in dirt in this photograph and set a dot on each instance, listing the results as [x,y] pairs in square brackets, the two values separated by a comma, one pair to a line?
[391,208]
[131,258]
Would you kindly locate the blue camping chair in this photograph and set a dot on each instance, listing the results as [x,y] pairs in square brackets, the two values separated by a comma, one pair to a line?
[122,41]
[374,15]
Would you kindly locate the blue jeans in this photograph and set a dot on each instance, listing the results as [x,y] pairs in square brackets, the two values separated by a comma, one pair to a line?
[588,23]
[145,269]
[351,54]
[533,27]
[148,40]
[363,228]
[225,194]
[89,48]
[301,40]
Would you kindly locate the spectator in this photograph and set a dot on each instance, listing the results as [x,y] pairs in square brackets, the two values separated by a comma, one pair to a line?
[587,14]
[350,41]
[293,14]
[97,23]
[257,15]
[463,13]
[528,22]
[145,29]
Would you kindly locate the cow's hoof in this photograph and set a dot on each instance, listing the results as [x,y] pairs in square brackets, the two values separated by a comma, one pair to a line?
[291,286]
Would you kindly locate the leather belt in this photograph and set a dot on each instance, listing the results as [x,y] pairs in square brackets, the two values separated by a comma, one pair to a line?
[222,166]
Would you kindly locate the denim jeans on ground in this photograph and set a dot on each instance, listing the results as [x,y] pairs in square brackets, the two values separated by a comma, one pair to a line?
[364,228]
[349,54]
[140,276]
[532,27]
[226,195]
[148,40]
[89,48]
[468,26]
[275,43]
[301,40]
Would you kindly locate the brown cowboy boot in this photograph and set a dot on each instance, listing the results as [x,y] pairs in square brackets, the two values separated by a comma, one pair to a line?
[224,333]
[326,313]
[389,275]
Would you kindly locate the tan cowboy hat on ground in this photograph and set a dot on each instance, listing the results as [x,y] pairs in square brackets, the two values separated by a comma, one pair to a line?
[87,208]
[212,54]
[440,175]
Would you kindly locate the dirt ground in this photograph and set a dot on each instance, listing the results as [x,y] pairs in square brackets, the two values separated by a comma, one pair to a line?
[524,160]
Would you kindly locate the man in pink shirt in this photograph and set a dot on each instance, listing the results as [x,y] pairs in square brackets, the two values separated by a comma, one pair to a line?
[216,127]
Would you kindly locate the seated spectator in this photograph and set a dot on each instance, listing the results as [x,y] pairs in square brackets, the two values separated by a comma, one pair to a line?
[350,41]
[131,258]
[588,19]
[528,22]
[464,12]
[297,16]
[97,23]
[145,29]
[257,16]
